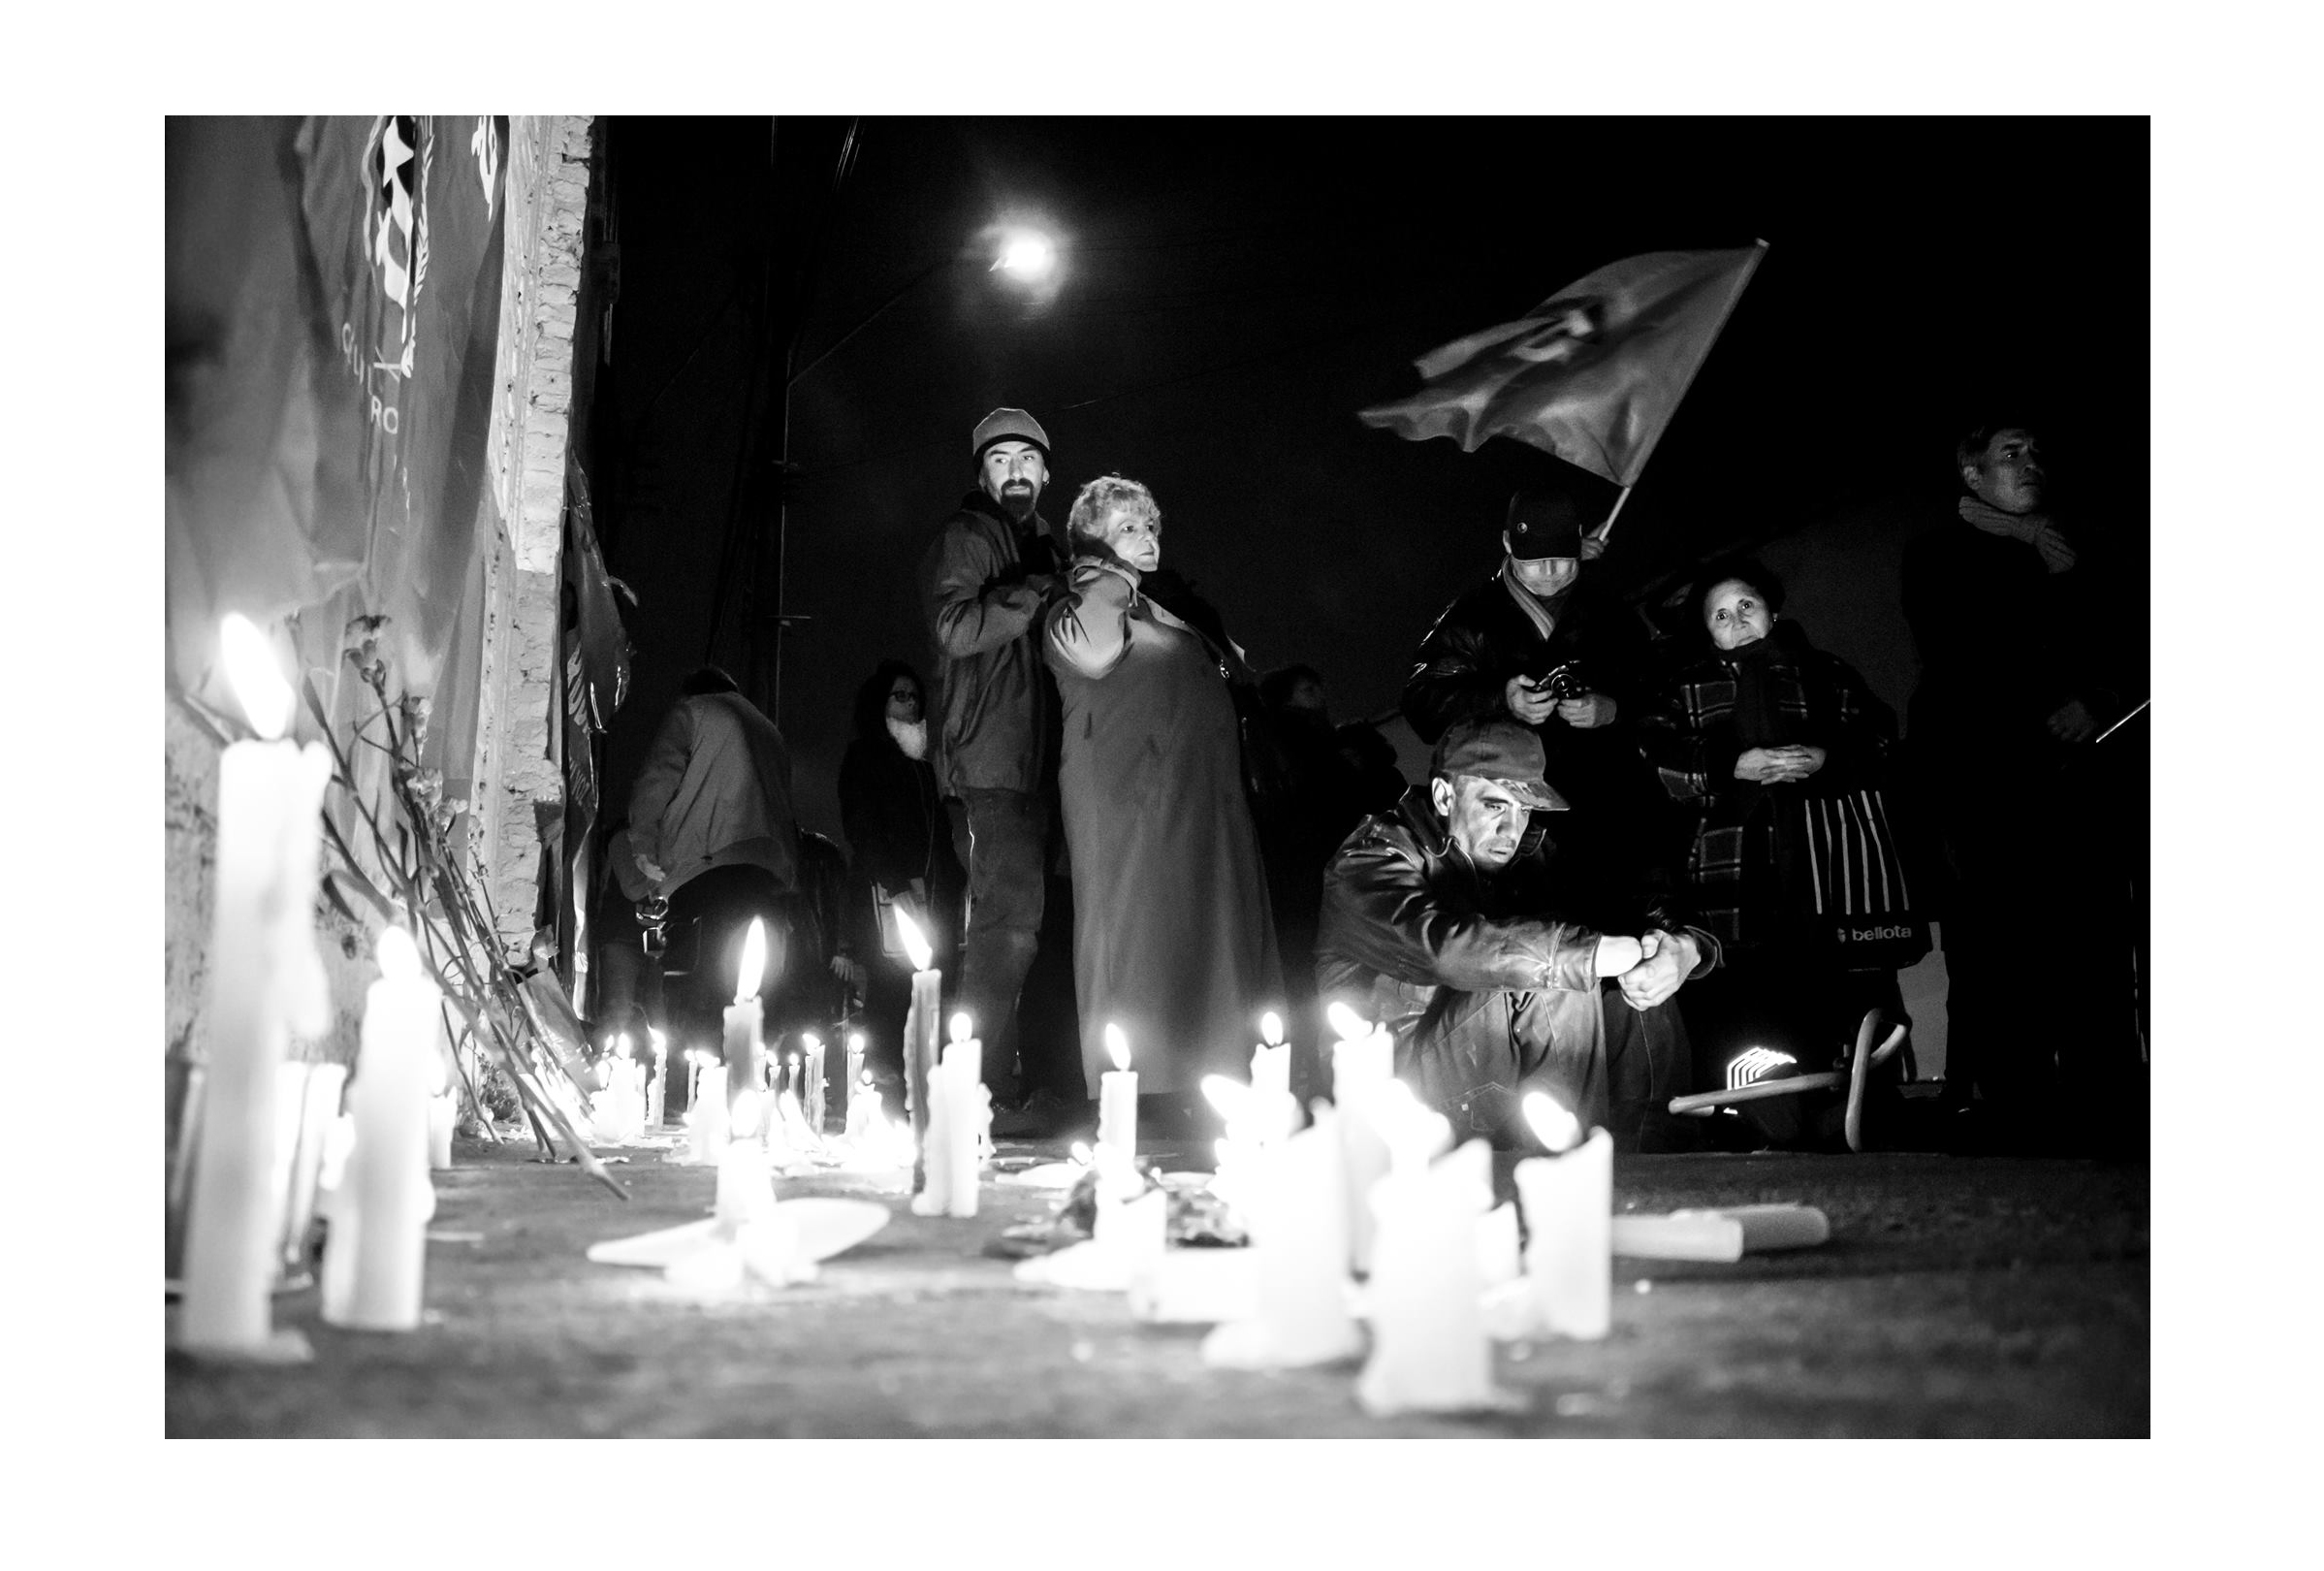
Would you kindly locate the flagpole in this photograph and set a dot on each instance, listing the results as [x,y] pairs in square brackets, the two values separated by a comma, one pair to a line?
[1652,442]
[1606,528]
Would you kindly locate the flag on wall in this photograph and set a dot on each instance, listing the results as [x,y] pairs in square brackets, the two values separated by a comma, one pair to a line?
[1593,373]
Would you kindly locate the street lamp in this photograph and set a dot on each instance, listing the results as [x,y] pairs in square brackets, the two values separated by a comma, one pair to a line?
[1023,250]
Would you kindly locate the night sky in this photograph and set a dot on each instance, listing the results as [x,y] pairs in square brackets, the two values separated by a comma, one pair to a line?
[1235,290]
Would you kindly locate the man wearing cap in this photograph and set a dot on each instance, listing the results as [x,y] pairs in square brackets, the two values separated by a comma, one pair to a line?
[1538,644]
[984,583]
[1437,923]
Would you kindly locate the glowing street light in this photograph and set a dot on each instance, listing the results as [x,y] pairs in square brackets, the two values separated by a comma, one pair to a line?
[1026,255]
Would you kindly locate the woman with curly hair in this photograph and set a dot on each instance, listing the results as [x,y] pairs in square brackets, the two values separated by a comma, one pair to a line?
[1172,940]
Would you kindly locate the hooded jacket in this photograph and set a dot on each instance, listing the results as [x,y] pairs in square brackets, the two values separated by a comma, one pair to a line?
[716,791]
[994,720]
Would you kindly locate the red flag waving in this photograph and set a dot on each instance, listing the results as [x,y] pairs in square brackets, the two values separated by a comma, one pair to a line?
[1593,373]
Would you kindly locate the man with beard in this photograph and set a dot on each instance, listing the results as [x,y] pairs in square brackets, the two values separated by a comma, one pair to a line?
[2000,726]
[984,584]
[1438,922]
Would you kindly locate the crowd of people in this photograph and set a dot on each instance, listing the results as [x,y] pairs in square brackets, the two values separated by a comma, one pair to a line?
[1639,867]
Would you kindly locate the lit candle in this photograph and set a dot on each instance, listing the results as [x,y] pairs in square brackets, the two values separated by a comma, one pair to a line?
[1271,1060]
[266,981]
[746,1189]
[744,1063]
[1569,1202]
[959,1109]
[1430,1352]
[855,1066]
[967,1111]
[1363,1062]
[388,1196]
[656,1089]
[1118,1098]
[1299,1238]
[811,1099]
[706,1121]
[609,1107]
[919,1039]
[863,1113]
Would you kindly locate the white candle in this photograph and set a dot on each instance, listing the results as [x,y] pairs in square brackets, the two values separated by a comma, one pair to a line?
[855,1065]
[1118,1098]
[656,1089]
[706,1123]
[812,1097]
[919,1040]
[934,1162]
[743,1016]
[443,1113]
[746,1189]
[1298,1231]
[968,1111]
[1569,1202]
[266,981]
[1430,1352]
[1271,1060]
[1363,1062]
[390,1197]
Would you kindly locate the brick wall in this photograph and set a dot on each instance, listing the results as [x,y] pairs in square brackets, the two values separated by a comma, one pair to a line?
[518,783]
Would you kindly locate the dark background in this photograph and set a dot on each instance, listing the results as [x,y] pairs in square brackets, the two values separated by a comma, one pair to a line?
[1235,290]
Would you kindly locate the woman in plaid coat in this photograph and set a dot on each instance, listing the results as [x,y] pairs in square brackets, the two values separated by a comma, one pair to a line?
[1779,748]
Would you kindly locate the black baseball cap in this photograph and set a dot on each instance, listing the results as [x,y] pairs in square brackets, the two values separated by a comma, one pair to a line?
[1544,524]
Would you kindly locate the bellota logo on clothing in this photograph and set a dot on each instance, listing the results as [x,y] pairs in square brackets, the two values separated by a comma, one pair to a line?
[1872,935]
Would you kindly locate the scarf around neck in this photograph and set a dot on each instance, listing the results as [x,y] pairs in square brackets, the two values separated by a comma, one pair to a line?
[2036,529]
[1543,614]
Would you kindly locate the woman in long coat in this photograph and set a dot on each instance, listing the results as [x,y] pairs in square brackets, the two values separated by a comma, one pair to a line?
[1780,749]
[1172,940]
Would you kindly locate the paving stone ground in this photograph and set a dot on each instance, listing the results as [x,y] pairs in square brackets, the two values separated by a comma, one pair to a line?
[1958,1297]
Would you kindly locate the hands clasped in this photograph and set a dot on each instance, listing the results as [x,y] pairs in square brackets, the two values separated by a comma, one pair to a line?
[1650,967]
[1773,766]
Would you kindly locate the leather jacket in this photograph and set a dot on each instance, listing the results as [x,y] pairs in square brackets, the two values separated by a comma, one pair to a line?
[1415,935]
[983,587]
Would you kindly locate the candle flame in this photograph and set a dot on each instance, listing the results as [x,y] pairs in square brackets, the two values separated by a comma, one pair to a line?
[1352,1026]
[257,682]
[813,1043]
[1117,1045]
[661,1043]
[1552,1125]
[747,975]
[1270,1028]
[624,1048]
[855,1041]
[1232,1098]
[398,957]
[915,945]
[960,1026]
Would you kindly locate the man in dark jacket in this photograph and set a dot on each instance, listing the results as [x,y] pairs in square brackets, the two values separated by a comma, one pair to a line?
[1537,643]
[712,828]
[2011,697]
[984,583]
[1444,921]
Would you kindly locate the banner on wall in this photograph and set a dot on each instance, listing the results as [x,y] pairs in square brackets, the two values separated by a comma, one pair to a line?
[332,305]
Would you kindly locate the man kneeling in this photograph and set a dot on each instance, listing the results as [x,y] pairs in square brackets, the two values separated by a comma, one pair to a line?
[1444,920]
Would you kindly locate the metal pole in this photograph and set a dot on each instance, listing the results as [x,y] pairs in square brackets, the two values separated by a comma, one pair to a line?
[1607,528]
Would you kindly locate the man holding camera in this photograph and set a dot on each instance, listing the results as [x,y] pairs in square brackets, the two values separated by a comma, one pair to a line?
[1537,644]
